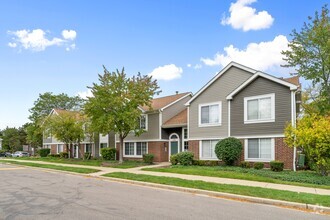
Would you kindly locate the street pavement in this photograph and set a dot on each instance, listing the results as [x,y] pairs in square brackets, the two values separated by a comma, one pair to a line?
[38,194]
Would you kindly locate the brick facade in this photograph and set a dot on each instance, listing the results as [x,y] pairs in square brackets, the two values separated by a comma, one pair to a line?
[193,146]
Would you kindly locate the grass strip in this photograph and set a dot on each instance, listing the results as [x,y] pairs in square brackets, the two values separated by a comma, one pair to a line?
[239,173]
[93,162]
[305,198]
[54,167]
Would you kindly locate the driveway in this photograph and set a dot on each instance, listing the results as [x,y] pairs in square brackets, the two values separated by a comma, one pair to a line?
[35,194]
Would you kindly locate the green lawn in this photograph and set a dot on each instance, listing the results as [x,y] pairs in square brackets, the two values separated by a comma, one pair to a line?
[54,167]
[234,189]
[300,178]
[93,162]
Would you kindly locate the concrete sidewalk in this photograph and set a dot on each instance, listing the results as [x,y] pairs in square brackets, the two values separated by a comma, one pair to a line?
[137,170]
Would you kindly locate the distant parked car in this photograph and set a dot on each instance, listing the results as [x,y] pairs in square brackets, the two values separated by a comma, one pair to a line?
[2,154]
[21,154]
[8,154]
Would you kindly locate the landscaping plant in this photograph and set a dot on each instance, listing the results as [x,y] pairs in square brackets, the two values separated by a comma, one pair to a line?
[258,165]
[229,150]
[108,153]
[148,158]
[44,152]
[276,166]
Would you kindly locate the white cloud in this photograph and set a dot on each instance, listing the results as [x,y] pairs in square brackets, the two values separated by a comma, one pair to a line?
[197,66]
[188,65]
[85,94]
[69,34]
[247,18]
[166,72]
[261,56]
[36,40]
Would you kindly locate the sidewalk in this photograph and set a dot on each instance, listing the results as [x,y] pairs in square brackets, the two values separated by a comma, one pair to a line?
[137,170]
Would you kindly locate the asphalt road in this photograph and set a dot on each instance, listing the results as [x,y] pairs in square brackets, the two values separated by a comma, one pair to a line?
[27,193]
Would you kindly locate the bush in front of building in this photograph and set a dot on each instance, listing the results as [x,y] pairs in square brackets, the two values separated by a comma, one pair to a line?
[185,158]
[108,153]
[245,164]
[148,158]
[174,159]
[276,165]
[258,165]
[87,155]
[44,152]
[64,155]
[229,150]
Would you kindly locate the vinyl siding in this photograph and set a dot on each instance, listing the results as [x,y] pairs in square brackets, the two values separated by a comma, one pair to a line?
[261,86]
[174,109]
[216,92]
[153,130]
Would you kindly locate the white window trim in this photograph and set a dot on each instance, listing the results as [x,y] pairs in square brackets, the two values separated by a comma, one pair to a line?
[246,143]
[58,147]
[272,102]
[201,151]
[135,150]
[200,114]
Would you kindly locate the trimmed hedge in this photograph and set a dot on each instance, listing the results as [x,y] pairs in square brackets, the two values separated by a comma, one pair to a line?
[44,152]
[185,158]
[276,165]
[148,158]
[245,164]
[64,155]
[108,153]
[210,163]
[229,150]
[258,165]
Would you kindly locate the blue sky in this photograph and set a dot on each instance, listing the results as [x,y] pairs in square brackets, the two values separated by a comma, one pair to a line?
[60,46]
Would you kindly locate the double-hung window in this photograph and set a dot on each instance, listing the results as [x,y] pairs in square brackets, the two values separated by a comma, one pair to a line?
[210,114]
[135,149]
[259,149]
[143,122]
[59,148]
[259,109]
[207,150]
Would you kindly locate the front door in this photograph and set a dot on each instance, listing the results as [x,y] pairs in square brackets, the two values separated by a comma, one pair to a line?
[174,144]
[75,151]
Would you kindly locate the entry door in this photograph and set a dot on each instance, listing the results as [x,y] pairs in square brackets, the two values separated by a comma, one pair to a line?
[174,147]
[75,151]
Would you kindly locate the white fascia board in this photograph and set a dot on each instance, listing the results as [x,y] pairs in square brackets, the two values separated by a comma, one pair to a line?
[266,76]
[172,103]
[231,64]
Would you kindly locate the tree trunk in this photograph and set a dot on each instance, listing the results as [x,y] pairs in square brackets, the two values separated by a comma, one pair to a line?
[121,148]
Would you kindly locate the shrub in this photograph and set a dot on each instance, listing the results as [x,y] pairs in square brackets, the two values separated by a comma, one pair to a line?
[87,155]
[185,158]
[108,153]
[228,150]
[276,165]
[64,155]
[53,155]
[258,165]
[44,152]
[245,164]
[148,158]
[211,163]
[174,159]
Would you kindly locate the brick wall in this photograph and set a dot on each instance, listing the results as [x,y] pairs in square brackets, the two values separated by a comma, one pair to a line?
[193,146]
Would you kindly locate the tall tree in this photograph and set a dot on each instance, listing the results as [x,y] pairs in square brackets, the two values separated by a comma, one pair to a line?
[42,107]
[67,127]
[309,53]
[13,139]
[116,101]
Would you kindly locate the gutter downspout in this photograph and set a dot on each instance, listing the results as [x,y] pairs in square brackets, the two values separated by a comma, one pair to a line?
[293,121]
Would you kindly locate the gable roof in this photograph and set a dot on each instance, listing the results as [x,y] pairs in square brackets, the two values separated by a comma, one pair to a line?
[231,64]
[294,80]
[60,112]
[164,102]
[178,120]
[266,76]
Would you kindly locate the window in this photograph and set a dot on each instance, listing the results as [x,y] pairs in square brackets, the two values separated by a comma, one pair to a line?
[88,148]
[135,149]
[210,114]
[48,146]
[207,150]
[59,148]
[141,148]
[185,146]
[185,133]
[143,122]
[259,149]
[259,109]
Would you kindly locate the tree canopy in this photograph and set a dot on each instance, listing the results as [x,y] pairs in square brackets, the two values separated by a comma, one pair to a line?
[13,139]
[309,54]
[115,105]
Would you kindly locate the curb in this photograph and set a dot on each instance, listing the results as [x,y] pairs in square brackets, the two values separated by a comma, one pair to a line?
[280,203]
